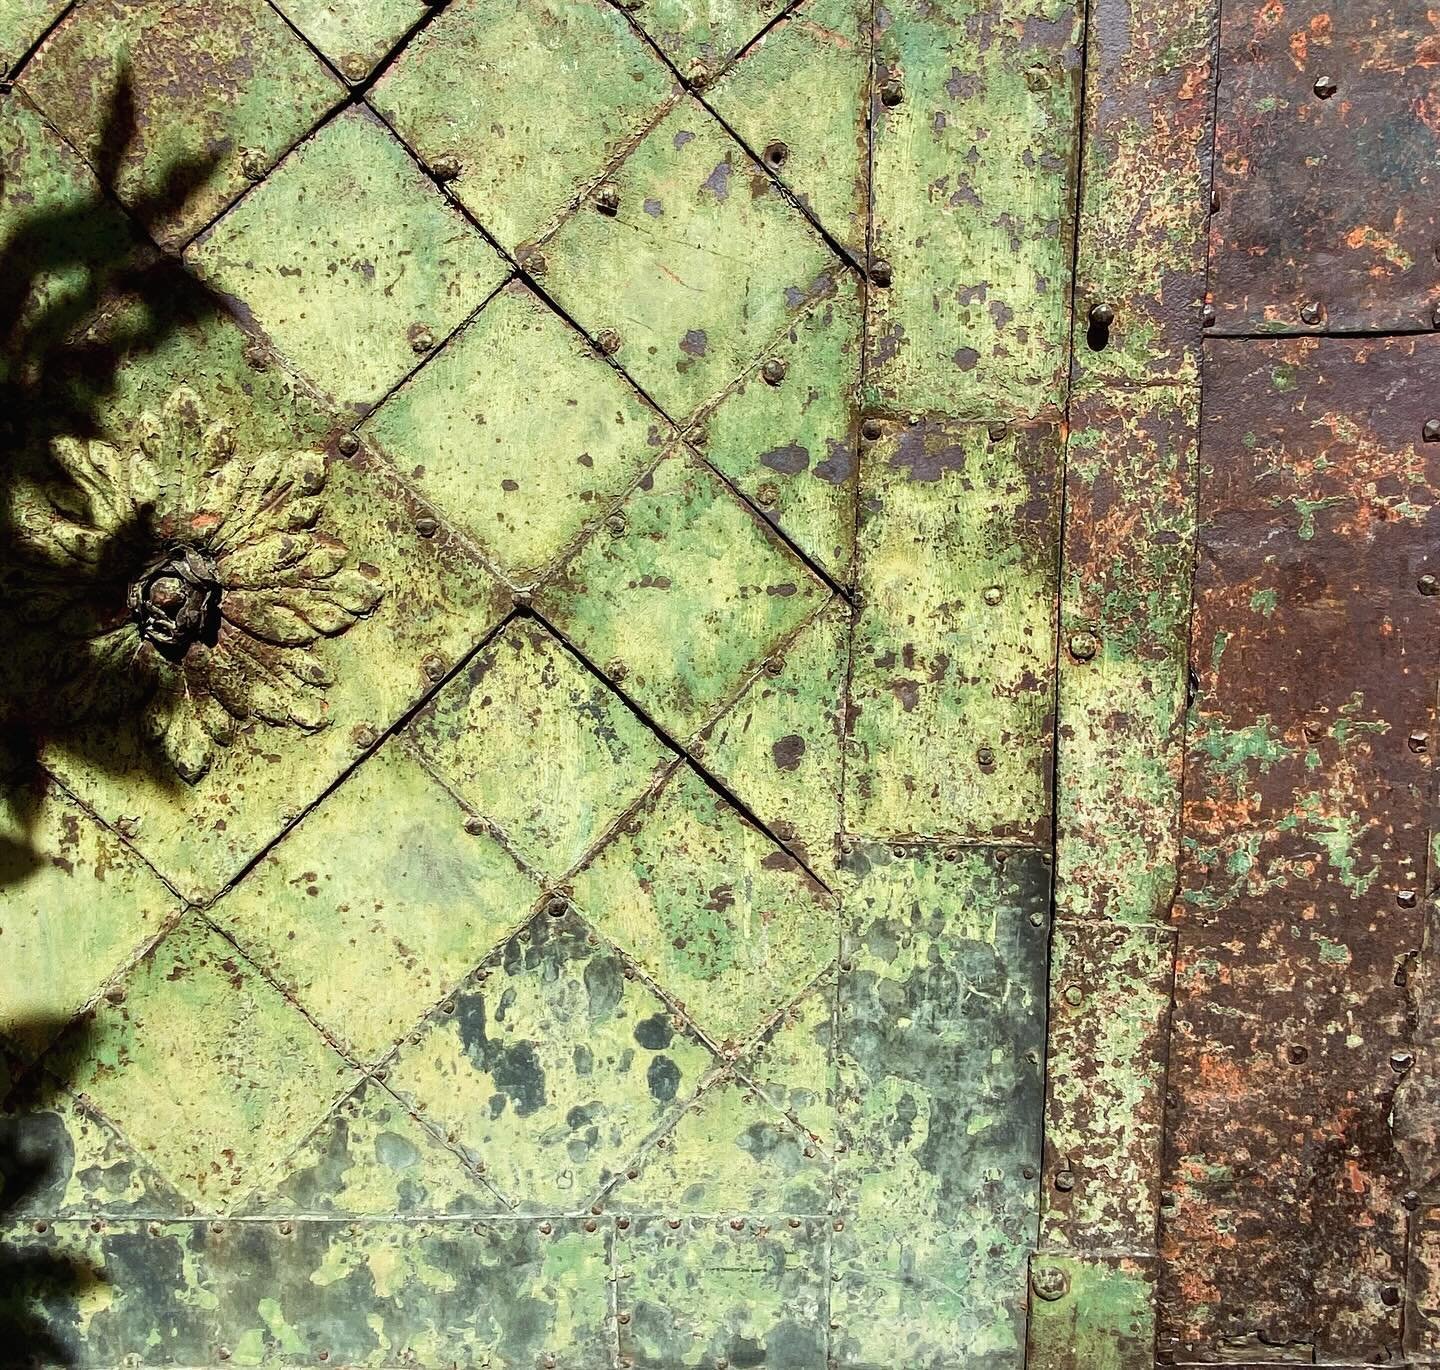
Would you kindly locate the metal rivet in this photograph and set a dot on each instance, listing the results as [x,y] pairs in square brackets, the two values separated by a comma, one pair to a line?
[433,666]
[615,525]
[1401,1061]
[1312,312]
[1297,1055]
[475,825]
[355,68]
[774,371]
[422,340]
[546,1228]
[1435,316]
[622,1318]
[1049,1282]
[775,666]
[556,908]
[534,262]
[1407,899]
[348,445]
[322,1355]
[1074,996]
[217,1228]
[286,1229]
[1390,1296]
[891,92]
[446,166]
[1428,585]
[1207,316]
[1431,431]
[128,827]
[672,1223]
[1037,920]
[607,198]
[871,429]
[222,1352]
[737,1224]
[776,153]
[426,527]
[767,495]
[363,737]
[1411,1199]
[590,1224]
[698,73]
[1083,646]
[997,431]
[1326,86]
[623,1224]
[1064,1180]
[1419,741]
[609,341]
[881,273]
[992,594]
[1102,315]
[986,757]
[252,163]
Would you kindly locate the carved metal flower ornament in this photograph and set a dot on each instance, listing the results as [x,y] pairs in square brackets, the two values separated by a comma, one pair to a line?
[189,580]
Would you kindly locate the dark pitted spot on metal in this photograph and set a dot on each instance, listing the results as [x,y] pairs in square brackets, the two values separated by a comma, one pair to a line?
[776,153]
[891,92]
[774,370]
[871,429]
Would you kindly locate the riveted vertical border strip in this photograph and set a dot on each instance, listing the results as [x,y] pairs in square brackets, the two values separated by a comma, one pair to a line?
[1125,589]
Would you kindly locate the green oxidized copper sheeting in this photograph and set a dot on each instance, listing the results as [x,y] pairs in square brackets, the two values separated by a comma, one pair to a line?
[1091,1313]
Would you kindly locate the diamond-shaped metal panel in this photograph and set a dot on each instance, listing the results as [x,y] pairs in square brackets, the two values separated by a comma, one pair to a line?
[192,1011]
[553,1069]
[66,861]
[384,869]
[522,106]
[699,267]
[22,22]
[181,105]
[701,37]
[539,746]
[354,34]
[519,432]
[711,908]
[350,259]
[682,594]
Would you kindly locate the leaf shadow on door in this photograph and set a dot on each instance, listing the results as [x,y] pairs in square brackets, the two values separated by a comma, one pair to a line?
[83,293]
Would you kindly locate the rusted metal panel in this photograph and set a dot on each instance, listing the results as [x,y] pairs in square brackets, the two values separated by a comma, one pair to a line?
[1105,1080]
[1326,168]
[952,678]
[1144,192]
[180,108]
[969,313]
[22,24]
[1091,1312]
[1307,818]
[1125,611]
[353,34]
[1422,1303]
[939,1037]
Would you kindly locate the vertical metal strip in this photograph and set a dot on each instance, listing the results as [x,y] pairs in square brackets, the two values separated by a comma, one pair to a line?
[1126,577]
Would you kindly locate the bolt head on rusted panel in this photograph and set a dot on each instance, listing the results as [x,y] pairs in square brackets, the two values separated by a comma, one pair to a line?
[1428,585]
[1431,430]
[533,262]
[871,429]
[1064,1180]
[1435,316]
[422,339]
[1419,742]
[698,74]
[881,273]
[609,341]
[774,370]
[1102,315]
[1401,1061]
[253,163]
[426,527]
[997,432]
[993,595]
[607,198]
[892,92]
[1312,312]
[1326,86]
[1407,899]
[985,756]
[1083,646]
[776,153]
[446,167]
[767,495]
[1207,316]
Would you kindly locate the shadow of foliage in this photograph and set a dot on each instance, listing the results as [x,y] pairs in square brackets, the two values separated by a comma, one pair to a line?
[82,294]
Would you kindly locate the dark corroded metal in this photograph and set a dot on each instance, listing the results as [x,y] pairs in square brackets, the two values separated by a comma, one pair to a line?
[1306,815]
[1328,167]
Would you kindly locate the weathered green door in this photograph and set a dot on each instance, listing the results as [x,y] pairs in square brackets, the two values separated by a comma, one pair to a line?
[596,633]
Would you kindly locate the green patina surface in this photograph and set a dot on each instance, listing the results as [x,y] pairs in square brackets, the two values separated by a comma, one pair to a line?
[587,903]
[1095,1313]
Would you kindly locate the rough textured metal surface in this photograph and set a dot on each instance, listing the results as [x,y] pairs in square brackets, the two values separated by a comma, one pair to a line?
[952,676]
[212,94]
[523,1013]
[975,320]
[467,89]
[1307,819]
[1091,1313]
[943,981]
[23,23]
[1288,252]
[398,265]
